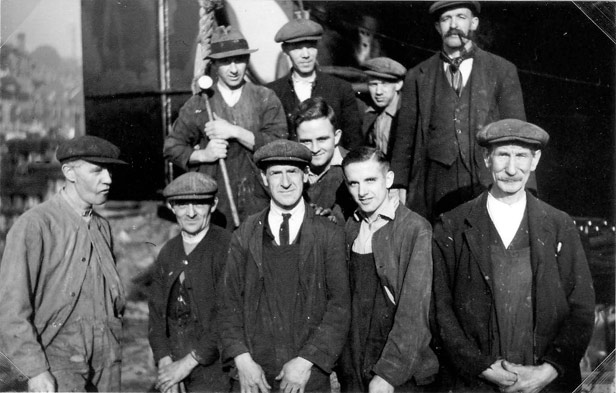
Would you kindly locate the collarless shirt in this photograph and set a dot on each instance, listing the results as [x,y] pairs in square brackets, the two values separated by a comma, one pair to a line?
[336,160]
[465,68]
[303,86]
[506,218]
[382,123]
[230,96]
[384,214]
[274,219]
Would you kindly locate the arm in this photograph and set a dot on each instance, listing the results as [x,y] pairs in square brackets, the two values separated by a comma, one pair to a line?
[350,118]
[187,133]
[19,276]
[157,304]
[403,135]
[325,344]
[510,100]
[407,347]
[273,120]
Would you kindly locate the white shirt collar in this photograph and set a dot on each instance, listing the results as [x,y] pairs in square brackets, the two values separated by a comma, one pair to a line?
[466,67]
[274,219]
[506,218]
[230,96]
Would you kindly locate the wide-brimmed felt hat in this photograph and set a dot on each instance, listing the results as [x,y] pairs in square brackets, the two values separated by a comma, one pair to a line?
[228,42]
[89,148]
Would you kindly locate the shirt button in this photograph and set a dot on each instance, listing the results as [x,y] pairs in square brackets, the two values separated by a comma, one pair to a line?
[459,131]
[185,262]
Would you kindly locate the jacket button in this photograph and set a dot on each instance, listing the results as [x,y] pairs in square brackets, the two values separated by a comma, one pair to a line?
[459,131]
[185,262]
[83,259]
[72,294]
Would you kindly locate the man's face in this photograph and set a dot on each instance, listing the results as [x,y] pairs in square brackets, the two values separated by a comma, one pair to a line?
[510,166]
[368,182]
[231,70]
[455,26]
[286,184]
[383,91]
[303,55]
[92,181]
[193,216]
[319,136]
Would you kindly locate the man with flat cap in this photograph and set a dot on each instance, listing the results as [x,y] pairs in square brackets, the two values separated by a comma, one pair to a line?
[246,117]
[385,80]
[183,329]
[446,100]
[61,298]
[299,39]
[513,293]
[285,301]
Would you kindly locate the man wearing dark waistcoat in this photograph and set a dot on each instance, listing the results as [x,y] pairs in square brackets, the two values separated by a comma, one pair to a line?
[446,100]
[299,39]
[285,303]
[390,267]
[61,298]
[246,117]
[513,293]
[183,329]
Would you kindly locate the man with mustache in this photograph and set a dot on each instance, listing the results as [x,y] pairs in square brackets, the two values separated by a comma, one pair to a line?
[61,298]
[445,101]
[513,293]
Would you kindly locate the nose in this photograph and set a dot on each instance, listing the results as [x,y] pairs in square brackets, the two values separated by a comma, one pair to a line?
[379,89]
[454,23]
[233,67]
[190,211]
[304,52]
[314,148]
[511,168]
[361,189]
[106,176]
[285,183]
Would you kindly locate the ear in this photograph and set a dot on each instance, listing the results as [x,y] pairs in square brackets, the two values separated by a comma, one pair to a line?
[285,48]
[437,25]
[68,171]
[337,136]
[264,179]
[474,23]
[486,157]
[399,85]
[214,205]
[536,159]
[389,179]
[170,207]
[305,176]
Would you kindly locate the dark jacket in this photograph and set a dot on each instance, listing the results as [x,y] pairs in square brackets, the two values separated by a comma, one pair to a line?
[202,273]
[403,255]
[337,93]
[367,128]
[260,112]
[495,94]
[320,329]
[563,296]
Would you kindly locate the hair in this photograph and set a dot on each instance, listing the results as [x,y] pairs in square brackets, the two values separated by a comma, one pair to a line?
[312,109]
[363,154]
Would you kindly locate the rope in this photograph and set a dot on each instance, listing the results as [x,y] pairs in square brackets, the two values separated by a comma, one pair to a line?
[207,23]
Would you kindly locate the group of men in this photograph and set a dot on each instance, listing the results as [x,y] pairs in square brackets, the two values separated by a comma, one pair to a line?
[440,272]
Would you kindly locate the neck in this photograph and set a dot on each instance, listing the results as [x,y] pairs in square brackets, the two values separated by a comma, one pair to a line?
[508,199]
[300,75]
[73,199]
[457,52]
[192,238]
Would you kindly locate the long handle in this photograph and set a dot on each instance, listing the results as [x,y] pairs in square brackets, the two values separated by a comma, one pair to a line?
[225,174]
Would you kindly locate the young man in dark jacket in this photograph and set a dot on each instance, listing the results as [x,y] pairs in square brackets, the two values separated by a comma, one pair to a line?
[513,293]
[390,267]
[285,306]
[183,331]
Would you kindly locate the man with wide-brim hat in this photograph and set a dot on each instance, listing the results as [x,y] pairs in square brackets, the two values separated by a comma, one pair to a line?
[385,78]
[285,303]
[245,117]
[299,39]
[513,294]
[61,298]
[446,99]
[183,329]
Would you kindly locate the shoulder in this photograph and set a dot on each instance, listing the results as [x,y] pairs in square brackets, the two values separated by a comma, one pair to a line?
[455,219]
[193,103]
[407,219]
[556,217]
[170,246]
[261,93]
[497,60]
[45,214]
[279,84]
[333,81]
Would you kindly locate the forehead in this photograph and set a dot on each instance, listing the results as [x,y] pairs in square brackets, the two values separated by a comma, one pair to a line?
[456,11]
[232,59]
[364,169]
[511,148]
[300,44]
[315,128]
[283,168]
[375,80]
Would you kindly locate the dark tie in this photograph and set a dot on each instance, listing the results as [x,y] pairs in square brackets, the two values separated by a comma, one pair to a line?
[284,229]
[455,75]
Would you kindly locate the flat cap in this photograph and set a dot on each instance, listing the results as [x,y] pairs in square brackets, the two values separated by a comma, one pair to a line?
[298,30]
[89,148]
[439,7]
[191,185]
[385,68]
[512,130]
[283,151]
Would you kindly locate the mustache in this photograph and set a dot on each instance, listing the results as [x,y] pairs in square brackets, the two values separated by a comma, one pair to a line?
[457,32]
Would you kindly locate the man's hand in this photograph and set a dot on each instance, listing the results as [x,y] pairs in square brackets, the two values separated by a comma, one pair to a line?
[44,382]
[295,375]
[379,385]
[252,378]
[531,379]
[220,129]
[171,373]
[498,375]
[321,211]
[215,149]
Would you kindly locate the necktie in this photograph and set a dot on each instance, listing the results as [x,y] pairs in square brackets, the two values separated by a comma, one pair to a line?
[284,229]
[455,75]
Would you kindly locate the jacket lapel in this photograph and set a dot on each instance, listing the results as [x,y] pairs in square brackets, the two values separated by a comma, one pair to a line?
[481,91]
[541,234]
[426,81]
[478,238]
[255,245]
